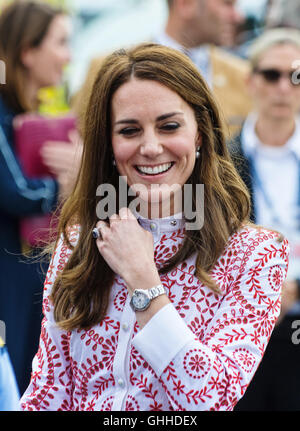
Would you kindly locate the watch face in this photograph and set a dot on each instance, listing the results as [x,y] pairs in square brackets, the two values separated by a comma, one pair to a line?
[140,300]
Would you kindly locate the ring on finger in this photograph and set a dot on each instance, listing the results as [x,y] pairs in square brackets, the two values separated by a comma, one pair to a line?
[96,233]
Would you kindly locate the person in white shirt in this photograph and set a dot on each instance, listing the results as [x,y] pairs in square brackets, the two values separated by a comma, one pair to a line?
[203,29]
[193,25]
[268,151]
[166,301]
[200,29]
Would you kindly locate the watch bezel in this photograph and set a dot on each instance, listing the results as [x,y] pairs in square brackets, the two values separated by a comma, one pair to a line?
[145,294]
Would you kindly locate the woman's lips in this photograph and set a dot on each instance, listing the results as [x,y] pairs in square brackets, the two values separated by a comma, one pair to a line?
[154,170]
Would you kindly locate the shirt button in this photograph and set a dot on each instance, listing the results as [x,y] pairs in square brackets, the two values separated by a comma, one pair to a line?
[152,226]
[125,326]
[121,383]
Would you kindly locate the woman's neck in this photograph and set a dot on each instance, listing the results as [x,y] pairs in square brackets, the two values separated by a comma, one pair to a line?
[31,94]
[160,209]
[273,132]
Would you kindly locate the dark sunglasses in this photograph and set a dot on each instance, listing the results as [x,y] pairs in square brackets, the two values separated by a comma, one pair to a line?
[274,75]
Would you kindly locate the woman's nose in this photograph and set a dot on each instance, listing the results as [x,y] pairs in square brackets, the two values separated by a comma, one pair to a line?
[150,145]
[285,84]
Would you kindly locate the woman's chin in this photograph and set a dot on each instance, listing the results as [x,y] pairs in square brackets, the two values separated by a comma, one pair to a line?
[156,204]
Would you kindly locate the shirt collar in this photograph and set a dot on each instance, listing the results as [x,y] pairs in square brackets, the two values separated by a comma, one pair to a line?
[199,55]
[166,40]
[164,224]
[251,142]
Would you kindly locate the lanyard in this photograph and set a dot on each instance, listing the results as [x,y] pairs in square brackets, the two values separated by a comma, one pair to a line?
[259,184]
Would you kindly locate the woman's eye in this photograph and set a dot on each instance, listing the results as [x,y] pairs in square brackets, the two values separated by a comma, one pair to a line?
[127,131]
[170,126]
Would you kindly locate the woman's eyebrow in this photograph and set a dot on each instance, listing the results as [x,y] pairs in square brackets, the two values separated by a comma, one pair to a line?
[160,118]
[126,121]
[170,114]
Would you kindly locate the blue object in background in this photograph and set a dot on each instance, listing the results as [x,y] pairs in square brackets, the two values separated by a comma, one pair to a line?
[9,394]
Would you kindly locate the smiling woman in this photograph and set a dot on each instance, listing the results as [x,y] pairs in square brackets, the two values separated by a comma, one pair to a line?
[144,314]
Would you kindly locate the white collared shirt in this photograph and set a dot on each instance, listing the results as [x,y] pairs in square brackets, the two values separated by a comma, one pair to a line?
[197,353]
[278,171]
[199,55]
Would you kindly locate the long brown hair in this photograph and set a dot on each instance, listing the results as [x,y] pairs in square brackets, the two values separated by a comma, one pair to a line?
[23,24]
[80,294]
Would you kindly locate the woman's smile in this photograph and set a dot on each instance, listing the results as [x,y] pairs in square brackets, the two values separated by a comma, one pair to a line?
[157,170]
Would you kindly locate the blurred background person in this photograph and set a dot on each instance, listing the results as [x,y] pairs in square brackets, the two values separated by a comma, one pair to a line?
[283,13]
[200,28]
[267,155]
[34,44]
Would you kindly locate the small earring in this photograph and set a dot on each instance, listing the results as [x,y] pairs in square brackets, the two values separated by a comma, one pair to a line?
[114,162]
[198,152]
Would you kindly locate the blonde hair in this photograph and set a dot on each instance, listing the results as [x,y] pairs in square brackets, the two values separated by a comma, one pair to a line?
[271,38]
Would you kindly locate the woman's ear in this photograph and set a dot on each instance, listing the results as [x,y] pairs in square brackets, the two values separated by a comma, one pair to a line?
[198,140]
[198,145]
[28,57]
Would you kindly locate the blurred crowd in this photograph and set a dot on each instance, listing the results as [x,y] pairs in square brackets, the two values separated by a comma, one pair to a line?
[258,94]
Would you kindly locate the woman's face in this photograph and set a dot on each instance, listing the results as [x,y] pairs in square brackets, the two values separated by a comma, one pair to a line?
[46,62]
[280,99]
[154,138]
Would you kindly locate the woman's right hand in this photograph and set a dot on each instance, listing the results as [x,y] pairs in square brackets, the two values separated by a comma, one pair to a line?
[63,160]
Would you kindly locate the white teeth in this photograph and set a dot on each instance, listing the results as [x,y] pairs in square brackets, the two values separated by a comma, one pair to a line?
[156,170]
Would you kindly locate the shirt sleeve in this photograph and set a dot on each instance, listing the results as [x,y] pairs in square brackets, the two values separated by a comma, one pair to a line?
[50,386]
[22,196]
[212,371]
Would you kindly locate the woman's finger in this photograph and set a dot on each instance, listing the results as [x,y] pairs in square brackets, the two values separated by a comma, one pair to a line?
[125,213]
[103,229]
[114,218]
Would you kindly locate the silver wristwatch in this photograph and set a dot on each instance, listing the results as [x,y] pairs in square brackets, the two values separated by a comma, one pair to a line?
[141,298]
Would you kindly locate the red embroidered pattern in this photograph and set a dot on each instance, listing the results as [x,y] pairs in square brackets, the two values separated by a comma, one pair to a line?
[196,363]
[100,369]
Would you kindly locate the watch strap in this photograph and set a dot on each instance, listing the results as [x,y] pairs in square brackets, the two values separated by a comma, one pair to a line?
[156,291]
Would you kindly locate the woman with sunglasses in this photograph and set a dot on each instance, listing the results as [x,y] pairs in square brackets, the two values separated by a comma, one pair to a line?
[267,154]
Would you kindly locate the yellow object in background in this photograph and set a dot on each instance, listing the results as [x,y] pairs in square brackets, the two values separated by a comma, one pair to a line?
[53,101]
[59,3]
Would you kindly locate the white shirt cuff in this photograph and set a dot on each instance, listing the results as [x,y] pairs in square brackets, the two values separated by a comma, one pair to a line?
[162,338]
